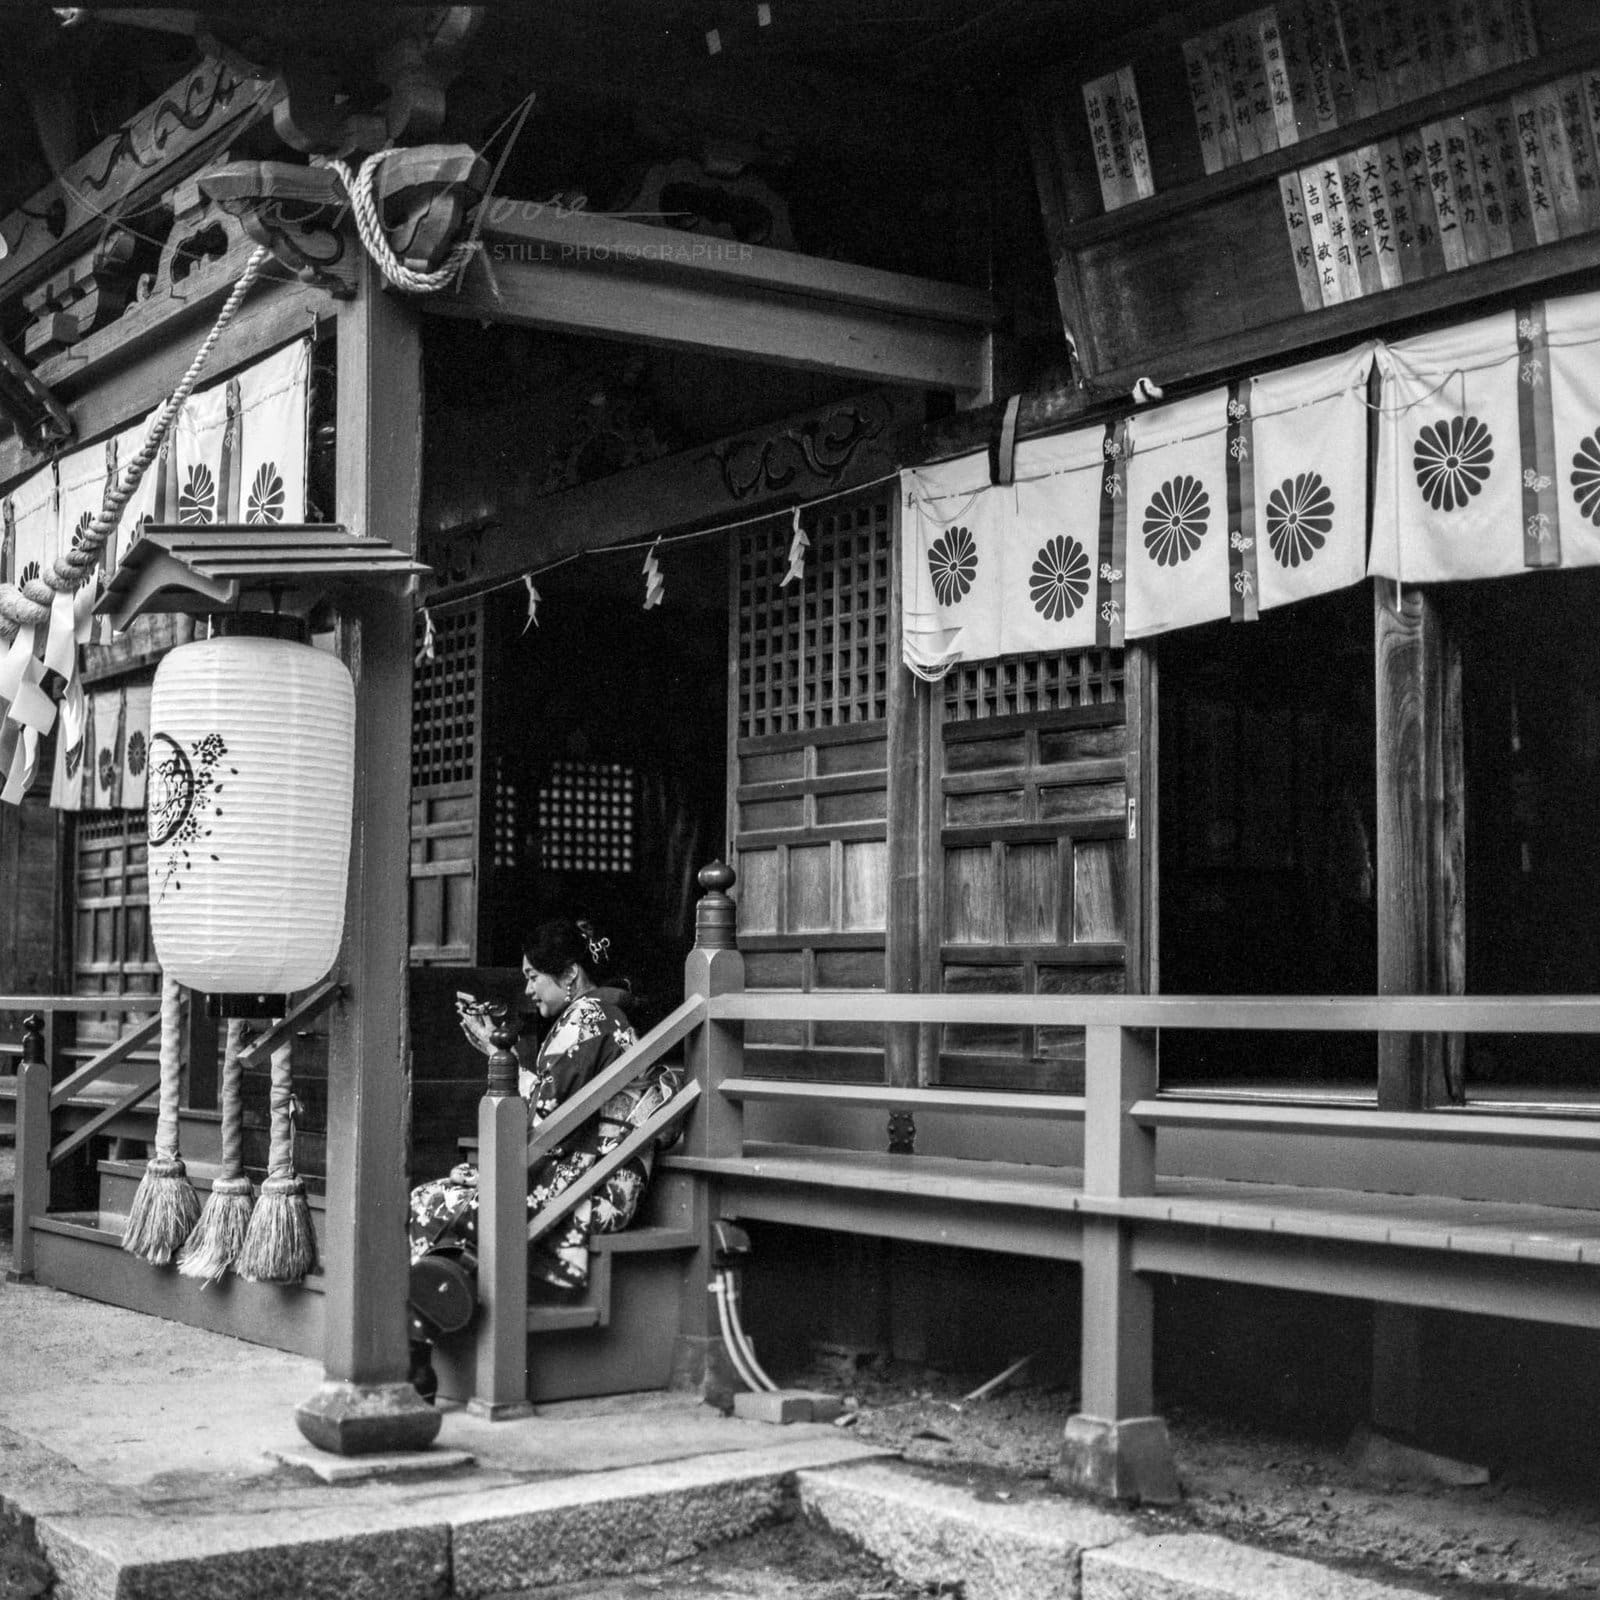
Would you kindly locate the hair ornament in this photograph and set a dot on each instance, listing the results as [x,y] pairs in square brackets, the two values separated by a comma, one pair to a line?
[599,945]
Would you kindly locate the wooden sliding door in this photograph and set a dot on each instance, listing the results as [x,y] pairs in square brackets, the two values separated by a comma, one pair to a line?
[1040,836]
[817,692]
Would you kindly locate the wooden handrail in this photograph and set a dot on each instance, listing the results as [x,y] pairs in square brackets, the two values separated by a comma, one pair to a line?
[80,1136]
[660,1120]
[884,1097]
[313,1004]
[1544,1014]
[1446,1125]
[79,1002]
[576,1110]
[113,1055]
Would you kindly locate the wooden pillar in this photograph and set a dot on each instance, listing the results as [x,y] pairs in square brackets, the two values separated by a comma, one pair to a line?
[31,1187]
[715,1052]
[906,846]
[1421,850]
[1421,890]
[1115,1446]
[365,1403]
[500,1386]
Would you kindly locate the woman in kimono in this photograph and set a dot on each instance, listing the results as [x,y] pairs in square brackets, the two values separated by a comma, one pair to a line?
[562,962]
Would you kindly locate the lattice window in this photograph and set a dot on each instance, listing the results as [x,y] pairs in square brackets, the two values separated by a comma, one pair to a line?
[816,653]
[444,702]
[1016,685]
[111,948]
[586,816]
[504,812]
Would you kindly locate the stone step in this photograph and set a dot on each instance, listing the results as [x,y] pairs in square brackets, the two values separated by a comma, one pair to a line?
[451,1536]
[934,1530]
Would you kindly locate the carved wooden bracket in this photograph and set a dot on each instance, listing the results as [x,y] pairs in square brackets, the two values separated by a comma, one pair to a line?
[202,234]
[82,296]
[423,197]
[292,210]
[315,113]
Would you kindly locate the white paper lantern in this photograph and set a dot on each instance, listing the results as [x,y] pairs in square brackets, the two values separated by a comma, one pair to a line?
[252,766]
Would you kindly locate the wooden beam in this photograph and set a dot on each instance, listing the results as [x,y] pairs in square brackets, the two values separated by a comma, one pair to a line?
[166,141]
[122,371]
[818,452]
[366,1404]
[542,267]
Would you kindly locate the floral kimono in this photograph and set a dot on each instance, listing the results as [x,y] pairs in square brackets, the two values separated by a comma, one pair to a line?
[585,1039]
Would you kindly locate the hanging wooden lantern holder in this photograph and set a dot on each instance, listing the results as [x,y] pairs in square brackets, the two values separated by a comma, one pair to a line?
[239,568]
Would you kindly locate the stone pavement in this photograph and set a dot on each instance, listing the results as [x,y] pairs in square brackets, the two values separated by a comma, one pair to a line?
[145,1460]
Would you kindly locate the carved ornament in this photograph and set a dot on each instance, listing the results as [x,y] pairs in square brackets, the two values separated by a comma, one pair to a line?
[806,456]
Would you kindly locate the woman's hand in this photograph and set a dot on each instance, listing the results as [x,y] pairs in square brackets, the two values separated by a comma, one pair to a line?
[479,1020]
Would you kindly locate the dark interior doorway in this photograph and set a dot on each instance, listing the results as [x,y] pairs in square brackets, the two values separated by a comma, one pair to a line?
[607,738]
[1266,790]
[1531,691]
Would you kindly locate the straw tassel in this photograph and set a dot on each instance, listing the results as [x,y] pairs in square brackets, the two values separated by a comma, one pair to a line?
[219,1235]
[279,1246]
[165,1208]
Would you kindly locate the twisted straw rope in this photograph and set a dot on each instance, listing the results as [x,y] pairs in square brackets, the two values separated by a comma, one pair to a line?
[280,1104]
[166,1140]
[232,1090]
[358,186]
[29,606]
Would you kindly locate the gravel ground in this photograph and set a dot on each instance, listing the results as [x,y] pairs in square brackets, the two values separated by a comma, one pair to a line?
[1259,1487]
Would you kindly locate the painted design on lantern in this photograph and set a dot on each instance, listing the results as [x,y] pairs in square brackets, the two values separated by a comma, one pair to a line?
[136,752]
[197,499]
[1175,520]
[182,799]
[1060,579]
[953,564]
[266,499]
[1452,460]
[1586,477]
[1299,518]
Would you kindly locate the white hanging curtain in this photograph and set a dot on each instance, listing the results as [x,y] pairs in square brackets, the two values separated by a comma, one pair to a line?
[992,570]
[1177,490]
[1449,493]
[1307,439]
[241,446]
[237,453]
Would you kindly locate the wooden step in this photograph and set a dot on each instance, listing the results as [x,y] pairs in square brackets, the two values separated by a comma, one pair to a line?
[617,1339]
[81,1253]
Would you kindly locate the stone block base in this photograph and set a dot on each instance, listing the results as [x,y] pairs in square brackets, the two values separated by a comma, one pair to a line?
[787,1405]
[352,1419]
[1126,1460]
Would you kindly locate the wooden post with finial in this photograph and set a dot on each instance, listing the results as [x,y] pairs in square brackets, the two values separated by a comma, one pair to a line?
[715,1053]
[500,1384]
[32,1191]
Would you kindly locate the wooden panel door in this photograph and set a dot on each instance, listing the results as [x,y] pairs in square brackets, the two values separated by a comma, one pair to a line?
[1038,845]
[816,693]
[447,792]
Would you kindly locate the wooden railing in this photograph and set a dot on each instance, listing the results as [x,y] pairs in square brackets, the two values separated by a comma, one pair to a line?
[1392,1240]
[39,1098]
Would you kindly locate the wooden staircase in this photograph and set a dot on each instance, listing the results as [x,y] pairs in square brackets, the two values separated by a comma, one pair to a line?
[619,1336]
[616,1338]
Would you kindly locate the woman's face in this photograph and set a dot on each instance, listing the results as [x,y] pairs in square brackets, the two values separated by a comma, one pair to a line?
[546,992]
